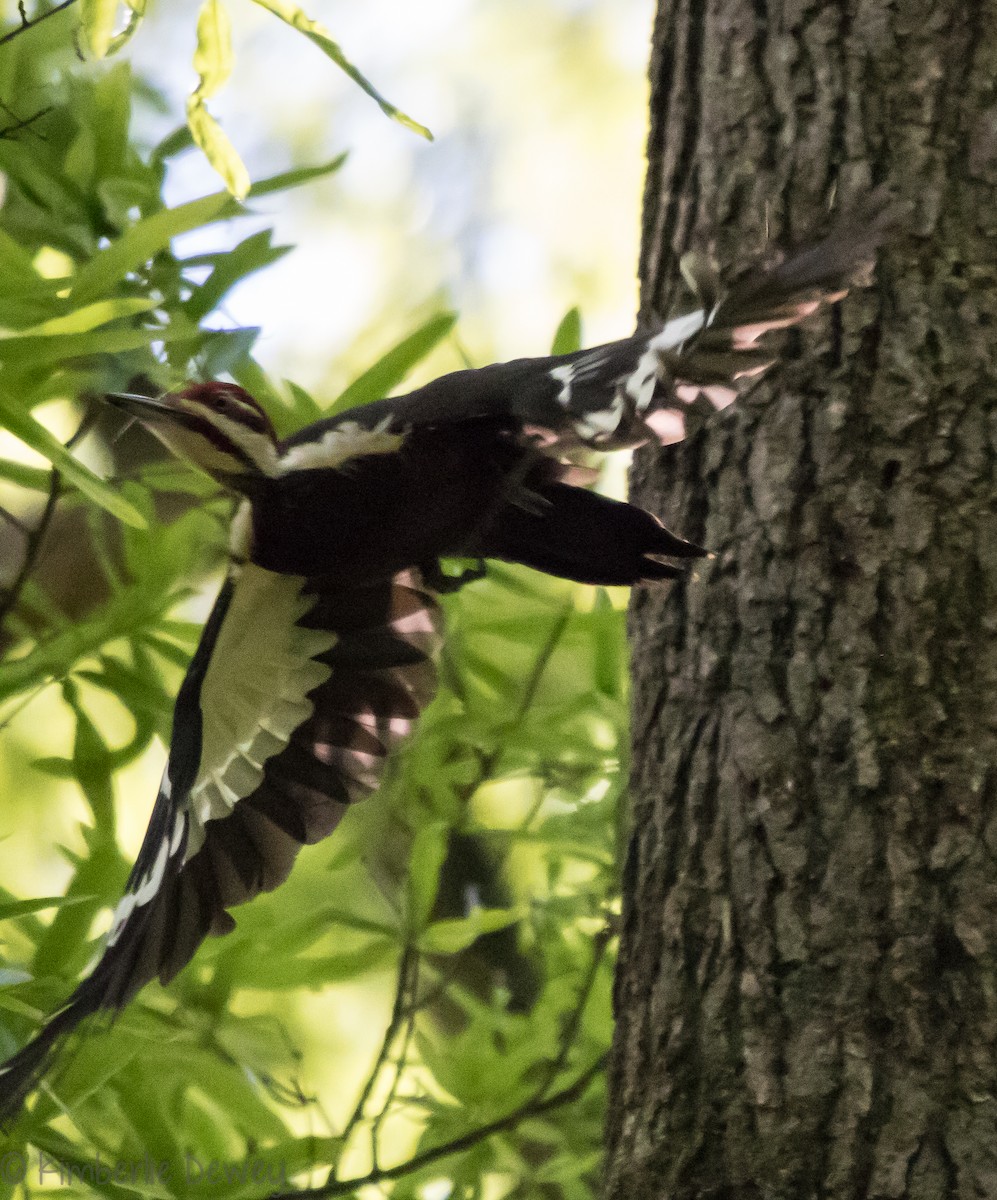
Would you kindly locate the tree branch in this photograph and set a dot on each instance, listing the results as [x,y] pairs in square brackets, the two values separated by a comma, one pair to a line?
[533,1107]
[405,966]
[36,536]
[20,123]
[26,24]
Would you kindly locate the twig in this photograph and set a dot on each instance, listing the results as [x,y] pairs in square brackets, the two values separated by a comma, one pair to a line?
[400,1061]
[23,122]
[573,1023]
[487,762]
[27,24]
[36,536]
[15,522]
[533,1107]
[398,1015]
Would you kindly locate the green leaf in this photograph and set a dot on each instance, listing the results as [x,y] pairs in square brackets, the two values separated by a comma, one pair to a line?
[213,55]
[146,238]
[28,355]
[280,973]
[453,935]
[97,18]
[213,64]
[136,11]
[222,349]
[217,148]
[429,850]
[91,316]
[284,180]
[568,336]
[20,908]
[35,435]
[36,478]
[389,371]
[230,268]
[293,16]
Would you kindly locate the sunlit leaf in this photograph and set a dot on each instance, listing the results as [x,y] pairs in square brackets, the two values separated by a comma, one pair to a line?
[97,18]
[217,148]
[91,316]
[136,11]
[455,934]
[568,336]
[389,371]
[213,56]
[32,433]
[144,239]
[213,63]
[36,478]
[296,18]
[19,908]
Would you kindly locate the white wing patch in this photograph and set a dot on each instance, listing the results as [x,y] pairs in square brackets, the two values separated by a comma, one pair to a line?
[339,445]
[255,691]
[641,383]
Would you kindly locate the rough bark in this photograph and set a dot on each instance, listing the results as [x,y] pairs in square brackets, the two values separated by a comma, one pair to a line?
[807,987]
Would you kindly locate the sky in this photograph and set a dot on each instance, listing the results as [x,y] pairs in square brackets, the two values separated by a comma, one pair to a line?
[527,201]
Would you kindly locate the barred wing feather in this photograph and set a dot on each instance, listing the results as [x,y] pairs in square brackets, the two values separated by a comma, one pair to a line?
[314,687]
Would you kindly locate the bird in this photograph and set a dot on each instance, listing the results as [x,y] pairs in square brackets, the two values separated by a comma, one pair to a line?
[317,656]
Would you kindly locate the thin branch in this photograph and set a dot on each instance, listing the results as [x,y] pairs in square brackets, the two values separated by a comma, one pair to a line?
[534,1107]
[401,1059]
[398,1016]
[22,122]
[27,24]
[15,523]
[37,535]
[574,1021]
[488,762]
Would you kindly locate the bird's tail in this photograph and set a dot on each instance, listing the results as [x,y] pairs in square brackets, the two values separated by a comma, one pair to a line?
[640,389]
[567,531]
[20,1074]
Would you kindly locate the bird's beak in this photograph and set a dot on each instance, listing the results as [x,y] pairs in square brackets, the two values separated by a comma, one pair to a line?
[139,406]
[154,411]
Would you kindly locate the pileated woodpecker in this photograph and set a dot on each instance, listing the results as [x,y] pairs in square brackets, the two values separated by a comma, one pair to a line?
[316,658]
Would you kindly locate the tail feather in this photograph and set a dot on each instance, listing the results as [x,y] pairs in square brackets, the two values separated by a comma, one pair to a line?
[21,1074]
[580,535]
[639,389]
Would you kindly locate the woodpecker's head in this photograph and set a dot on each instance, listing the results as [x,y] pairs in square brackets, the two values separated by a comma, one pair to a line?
[218,427]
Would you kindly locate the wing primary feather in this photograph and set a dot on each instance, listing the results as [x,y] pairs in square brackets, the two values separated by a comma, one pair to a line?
[228,824]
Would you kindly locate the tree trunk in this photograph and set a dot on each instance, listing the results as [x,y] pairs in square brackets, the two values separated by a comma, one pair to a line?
[807,993]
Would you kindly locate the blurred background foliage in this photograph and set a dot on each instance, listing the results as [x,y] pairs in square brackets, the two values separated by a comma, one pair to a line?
[425,1005]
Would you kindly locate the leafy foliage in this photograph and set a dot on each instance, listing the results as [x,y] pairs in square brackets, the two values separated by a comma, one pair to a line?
[478,886]
[98,34]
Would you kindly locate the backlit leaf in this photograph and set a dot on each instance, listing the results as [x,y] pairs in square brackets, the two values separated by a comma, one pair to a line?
[32,433]
[297,19]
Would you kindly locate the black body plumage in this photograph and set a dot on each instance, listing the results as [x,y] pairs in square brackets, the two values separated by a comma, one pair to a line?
[336,559]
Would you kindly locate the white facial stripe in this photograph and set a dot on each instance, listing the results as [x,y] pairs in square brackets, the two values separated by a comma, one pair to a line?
[196,447]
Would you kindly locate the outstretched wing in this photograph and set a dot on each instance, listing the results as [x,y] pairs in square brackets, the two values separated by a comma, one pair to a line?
[274,736]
